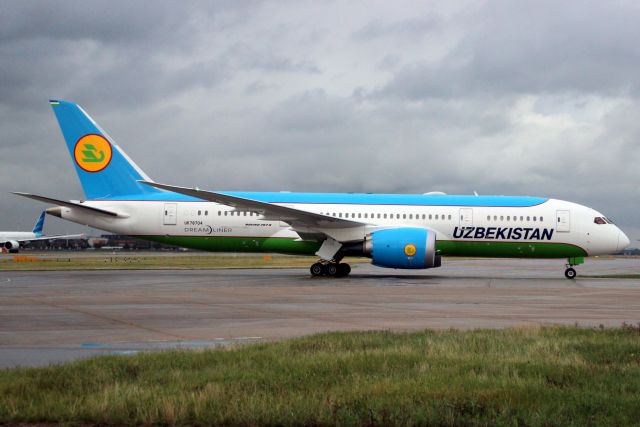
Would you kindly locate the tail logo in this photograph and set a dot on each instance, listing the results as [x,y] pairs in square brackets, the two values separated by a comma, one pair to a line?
[92,153]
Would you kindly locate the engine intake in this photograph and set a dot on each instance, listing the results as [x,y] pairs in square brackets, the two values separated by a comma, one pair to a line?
[410,248]
[11,245]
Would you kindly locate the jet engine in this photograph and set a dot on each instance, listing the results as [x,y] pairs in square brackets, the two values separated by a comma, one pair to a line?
[11,245]
[402,248]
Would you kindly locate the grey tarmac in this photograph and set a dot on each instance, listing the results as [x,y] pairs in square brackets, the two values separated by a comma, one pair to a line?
[57,316]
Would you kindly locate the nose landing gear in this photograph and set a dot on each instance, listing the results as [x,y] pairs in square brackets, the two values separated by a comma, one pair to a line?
[331,269]
[570,272]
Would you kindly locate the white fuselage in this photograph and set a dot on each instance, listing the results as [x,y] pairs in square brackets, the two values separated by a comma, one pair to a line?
[557,222]
[17,235]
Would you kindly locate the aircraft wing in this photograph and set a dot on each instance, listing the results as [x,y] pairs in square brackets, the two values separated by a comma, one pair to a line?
[56,237]
[293,216]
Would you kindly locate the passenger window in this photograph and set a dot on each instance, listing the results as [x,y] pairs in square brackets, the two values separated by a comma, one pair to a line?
[488,217]
[521,218]
[535,218]
[219,213]
[359,215]
[449,216]
[541,219]
[430,216]
[501,218]
[495,217]
[424,216]
[225,213]
[528,219]
[410,216]
[436,216]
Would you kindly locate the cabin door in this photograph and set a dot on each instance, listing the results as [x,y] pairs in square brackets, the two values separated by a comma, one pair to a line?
[170,214]
[563,221]
[466,217]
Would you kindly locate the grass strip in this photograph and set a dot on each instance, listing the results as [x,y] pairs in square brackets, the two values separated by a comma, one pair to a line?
[519,376]
[143,262]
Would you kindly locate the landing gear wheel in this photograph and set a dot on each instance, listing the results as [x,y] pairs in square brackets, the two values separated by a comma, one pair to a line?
[317,269]
[343,270]
[331,269]
[570,273]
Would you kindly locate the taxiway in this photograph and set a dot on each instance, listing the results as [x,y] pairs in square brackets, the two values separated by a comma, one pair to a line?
[49,317]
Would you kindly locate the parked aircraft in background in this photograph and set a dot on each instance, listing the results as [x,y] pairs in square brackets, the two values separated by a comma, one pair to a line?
[11,240]
[402,231]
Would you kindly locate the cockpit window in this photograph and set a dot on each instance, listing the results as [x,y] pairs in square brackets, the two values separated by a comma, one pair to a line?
[609,221]
[600,220]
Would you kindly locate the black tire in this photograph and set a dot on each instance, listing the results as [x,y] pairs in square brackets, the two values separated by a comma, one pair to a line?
[331,269]
[317,269]
[570,273]
[343,270]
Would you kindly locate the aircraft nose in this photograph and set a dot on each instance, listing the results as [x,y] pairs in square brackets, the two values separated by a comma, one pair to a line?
[623,241]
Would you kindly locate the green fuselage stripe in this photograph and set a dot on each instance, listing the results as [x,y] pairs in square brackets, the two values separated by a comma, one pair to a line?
[303,247]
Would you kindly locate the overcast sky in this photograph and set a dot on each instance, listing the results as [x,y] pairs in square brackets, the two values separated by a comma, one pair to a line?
[501,97]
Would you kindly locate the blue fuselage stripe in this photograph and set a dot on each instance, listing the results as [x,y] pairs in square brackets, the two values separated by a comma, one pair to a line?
[355,199]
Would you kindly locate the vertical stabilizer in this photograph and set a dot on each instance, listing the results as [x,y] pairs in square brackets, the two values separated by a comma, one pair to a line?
[39,225]
[104,169]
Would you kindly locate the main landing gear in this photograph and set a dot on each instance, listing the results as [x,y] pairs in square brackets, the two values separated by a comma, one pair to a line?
[570,272]
[331,269]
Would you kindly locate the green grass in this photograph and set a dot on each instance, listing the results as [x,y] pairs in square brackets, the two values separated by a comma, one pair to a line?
[523,376]
[133,261]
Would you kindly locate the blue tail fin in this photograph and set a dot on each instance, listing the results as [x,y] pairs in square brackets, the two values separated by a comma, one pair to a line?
[39,226]
[105,171]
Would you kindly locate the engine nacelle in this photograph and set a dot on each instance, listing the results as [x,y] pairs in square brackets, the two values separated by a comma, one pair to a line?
[402,248]
[11,245]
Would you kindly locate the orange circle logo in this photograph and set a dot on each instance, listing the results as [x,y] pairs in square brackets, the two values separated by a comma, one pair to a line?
[92,153]
[410,250]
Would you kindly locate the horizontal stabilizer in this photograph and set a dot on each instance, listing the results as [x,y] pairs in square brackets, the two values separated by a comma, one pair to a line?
[68,204]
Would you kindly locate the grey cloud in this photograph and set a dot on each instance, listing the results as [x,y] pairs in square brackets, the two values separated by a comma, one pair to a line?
[409,28]
[311,110]
[533,47]
[243,57]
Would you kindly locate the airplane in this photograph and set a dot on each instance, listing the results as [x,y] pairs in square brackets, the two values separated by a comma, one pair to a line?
[399,231]
[10,240]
